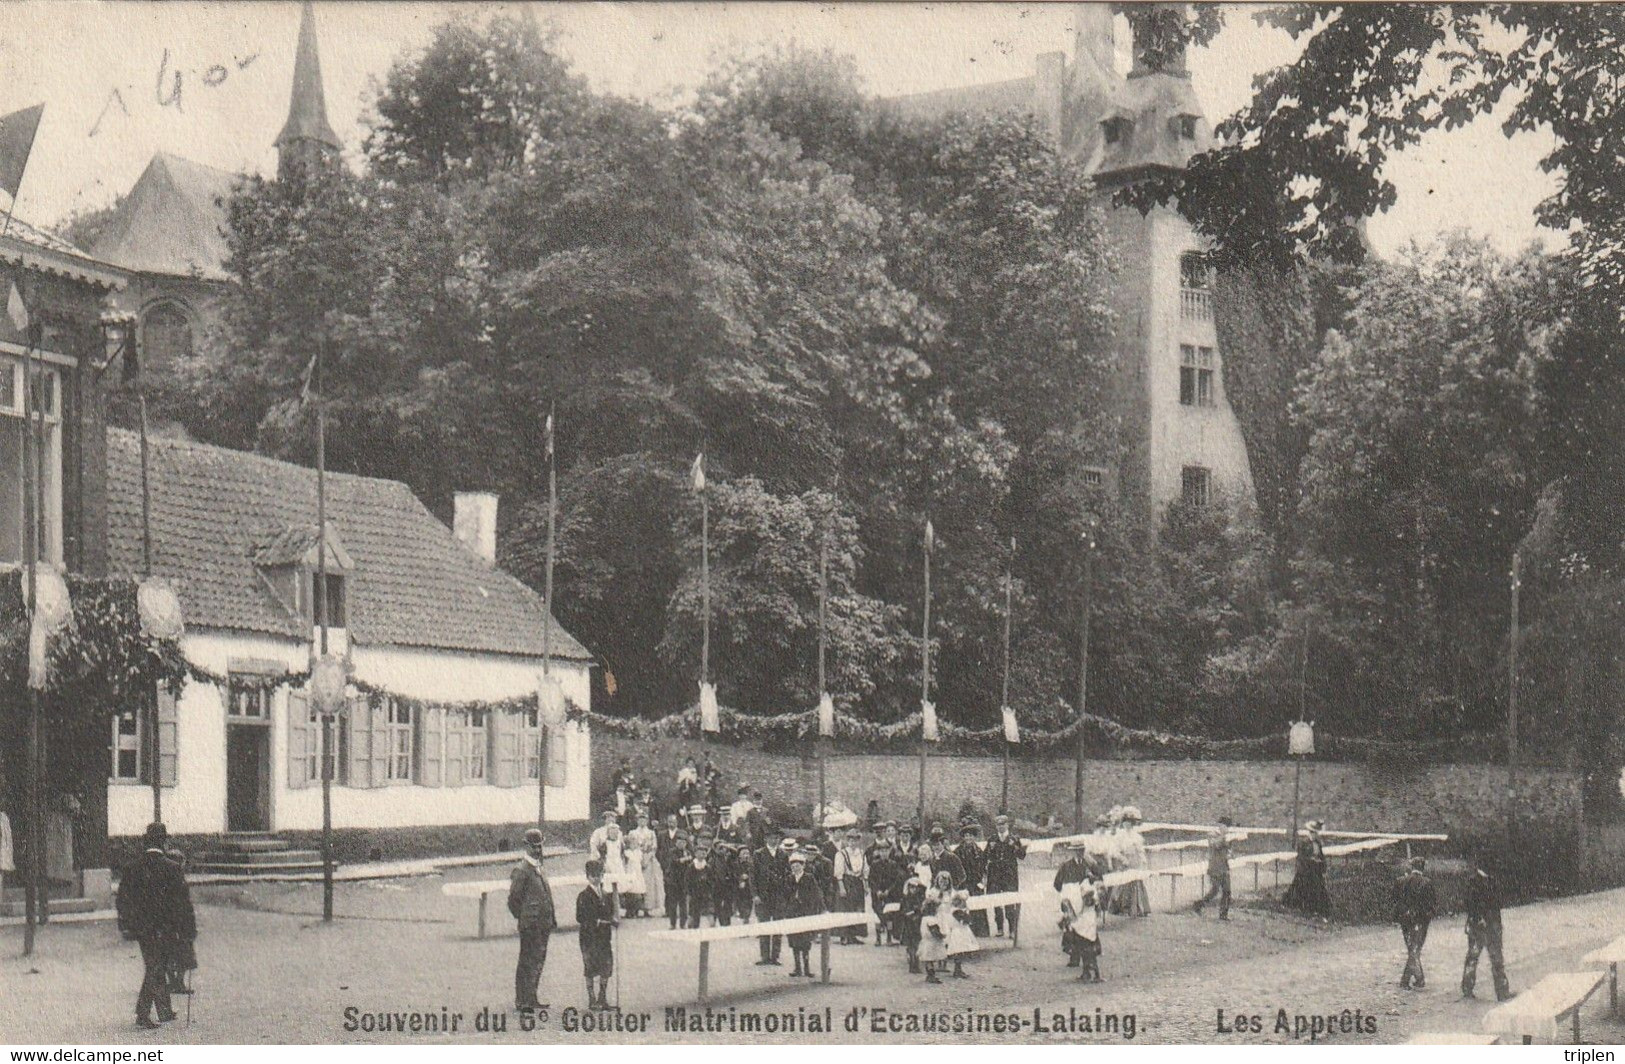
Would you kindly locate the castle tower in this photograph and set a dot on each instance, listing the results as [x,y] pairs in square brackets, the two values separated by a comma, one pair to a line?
[307,142]
[1181,439]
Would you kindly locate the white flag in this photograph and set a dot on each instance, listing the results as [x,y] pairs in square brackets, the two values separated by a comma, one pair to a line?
[697,474]
[1011,733]
[16,309]
[710,718]
[928,721]
[550,700]
[826,716]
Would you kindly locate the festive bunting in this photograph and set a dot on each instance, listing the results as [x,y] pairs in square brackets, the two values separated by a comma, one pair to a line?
[710,716]
[1011,733]
[550,697]
[826,716]
[697,473]
[1301,739]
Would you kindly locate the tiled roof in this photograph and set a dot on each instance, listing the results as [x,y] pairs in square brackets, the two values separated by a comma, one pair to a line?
[986,98]
[413,583]
[34,248]
[172,222]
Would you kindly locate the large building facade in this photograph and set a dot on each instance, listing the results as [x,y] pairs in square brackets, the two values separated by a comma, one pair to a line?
[1180,437]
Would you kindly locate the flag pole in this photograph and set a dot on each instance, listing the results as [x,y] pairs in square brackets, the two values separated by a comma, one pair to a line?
[705,595]
[925,670]
[547,625]
[34,893]
[1004,696]
[149,697]
[1083,680]
[322,604]
[823,643]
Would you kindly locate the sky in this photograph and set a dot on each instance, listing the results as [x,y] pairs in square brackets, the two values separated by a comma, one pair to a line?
[209,81]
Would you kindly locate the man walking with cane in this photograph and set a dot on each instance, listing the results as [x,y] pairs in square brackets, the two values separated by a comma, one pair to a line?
[155,908]
[530,900]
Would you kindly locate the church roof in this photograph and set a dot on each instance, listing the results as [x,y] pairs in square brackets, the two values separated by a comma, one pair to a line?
[307,106]
[172,222]
[219,515]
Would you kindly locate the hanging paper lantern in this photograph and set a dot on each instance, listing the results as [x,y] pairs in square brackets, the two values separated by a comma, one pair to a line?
[329,680]
[1301,739]
[160,608]
[710,716]
[826,716]
[928,721]
[53,607]
[550,699]
[1011,733]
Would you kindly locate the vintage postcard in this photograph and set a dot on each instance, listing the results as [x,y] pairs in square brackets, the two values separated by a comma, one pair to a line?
[810,524]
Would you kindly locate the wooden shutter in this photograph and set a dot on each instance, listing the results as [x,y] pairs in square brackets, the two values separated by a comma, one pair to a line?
[302,739]
[431,751]
[508,766]
[168,739]
[383,743]
[557,740]
[358,726]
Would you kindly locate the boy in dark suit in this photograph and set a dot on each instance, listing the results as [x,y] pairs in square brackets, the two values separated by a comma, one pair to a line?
[802,897]
[155,908]
[596,923]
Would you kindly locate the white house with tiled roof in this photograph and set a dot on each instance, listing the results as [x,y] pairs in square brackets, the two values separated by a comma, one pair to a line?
[436,635]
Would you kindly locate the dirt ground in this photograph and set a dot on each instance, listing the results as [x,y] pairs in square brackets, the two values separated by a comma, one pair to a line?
[271,971]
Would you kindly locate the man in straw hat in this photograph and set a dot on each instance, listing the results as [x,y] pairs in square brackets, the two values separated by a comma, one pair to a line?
[530,900]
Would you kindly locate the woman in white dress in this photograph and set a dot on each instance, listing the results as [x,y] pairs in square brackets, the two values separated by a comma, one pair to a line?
[643,839]
[612,852]
[1136,899]
[935,917]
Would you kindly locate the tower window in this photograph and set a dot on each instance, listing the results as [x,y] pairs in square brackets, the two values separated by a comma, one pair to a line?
[1196,485]
[1183,126]
[166,334]
[1196,381]
[1194,272]
[1117,130]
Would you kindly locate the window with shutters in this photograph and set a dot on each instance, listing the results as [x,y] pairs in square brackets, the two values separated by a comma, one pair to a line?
[1196,485]
[398,741]
[478,743]
[249,703]
[126,750]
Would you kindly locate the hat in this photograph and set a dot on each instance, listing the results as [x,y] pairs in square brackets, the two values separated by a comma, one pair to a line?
[696,809]
[594,869]
[937,832]
[1102,820]
[1132,812]
[533,836]
[969,829]
[1227,822]
[1315,825]
[1419,863]
[155,835]
[788,845]
[798,858]
[611,813]
[1001,819]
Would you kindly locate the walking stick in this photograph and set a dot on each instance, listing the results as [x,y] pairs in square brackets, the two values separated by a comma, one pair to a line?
[615,944]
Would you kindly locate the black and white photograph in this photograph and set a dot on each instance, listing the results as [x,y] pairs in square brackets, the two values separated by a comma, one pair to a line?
[745,524]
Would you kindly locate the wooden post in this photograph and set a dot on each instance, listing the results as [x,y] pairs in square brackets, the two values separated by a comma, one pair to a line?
[823,957]
[1512,707]
[1613,987]
[484,896]
[1004,696]
[705,968]
[543,736]
[1083,686]
[925,670]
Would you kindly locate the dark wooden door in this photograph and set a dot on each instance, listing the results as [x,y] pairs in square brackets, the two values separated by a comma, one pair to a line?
[247,778]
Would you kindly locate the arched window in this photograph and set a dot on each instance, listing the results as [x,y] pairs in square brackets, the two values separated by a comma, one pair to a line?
[166,334]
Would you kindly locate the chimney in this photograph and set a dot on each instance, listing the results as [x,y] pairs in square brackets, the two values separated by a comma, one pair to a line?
[474,522]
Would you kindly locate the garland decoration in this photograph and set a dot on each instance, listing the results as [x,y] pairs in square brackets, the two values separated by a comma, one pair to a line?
[1106,734]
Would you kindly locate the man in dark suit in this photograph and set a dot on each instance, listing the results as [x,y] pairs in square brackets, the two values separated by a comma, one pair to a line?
[944,860]
[771,865]
[595,928]
[155,909]
[1415,905]
[1004,852]
[530,900]
[1484,931]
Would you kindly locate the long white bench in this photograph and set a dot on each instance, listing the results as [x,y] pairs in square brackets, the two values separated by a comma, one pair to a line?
[1611,955]
[821,924]
[484,889]
[1452,1038]
[1536,1012]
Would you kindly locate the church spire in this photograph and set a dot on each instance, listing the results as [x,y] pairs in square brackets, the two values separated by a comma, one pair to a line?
[306,138]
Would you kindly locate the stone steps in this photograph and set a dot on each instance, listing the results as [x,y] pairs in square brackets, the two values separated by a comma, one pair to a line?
[255,853]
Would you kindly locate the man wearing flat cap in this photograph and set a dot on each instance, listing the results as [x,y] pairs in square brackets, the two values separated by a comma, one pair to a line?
[155,909]
[530,900]
[972,853]
[595,931]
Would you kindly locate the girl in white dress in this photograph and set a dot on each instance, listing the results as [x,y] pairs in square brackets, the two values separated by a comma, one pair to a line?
[643,838]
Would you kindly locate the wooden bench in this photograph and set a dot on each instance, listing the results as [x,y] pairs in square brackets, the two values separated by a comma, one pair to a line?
[484,889]
[1610,955]
[1536,1012]
[821,924]
[1452,1038]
